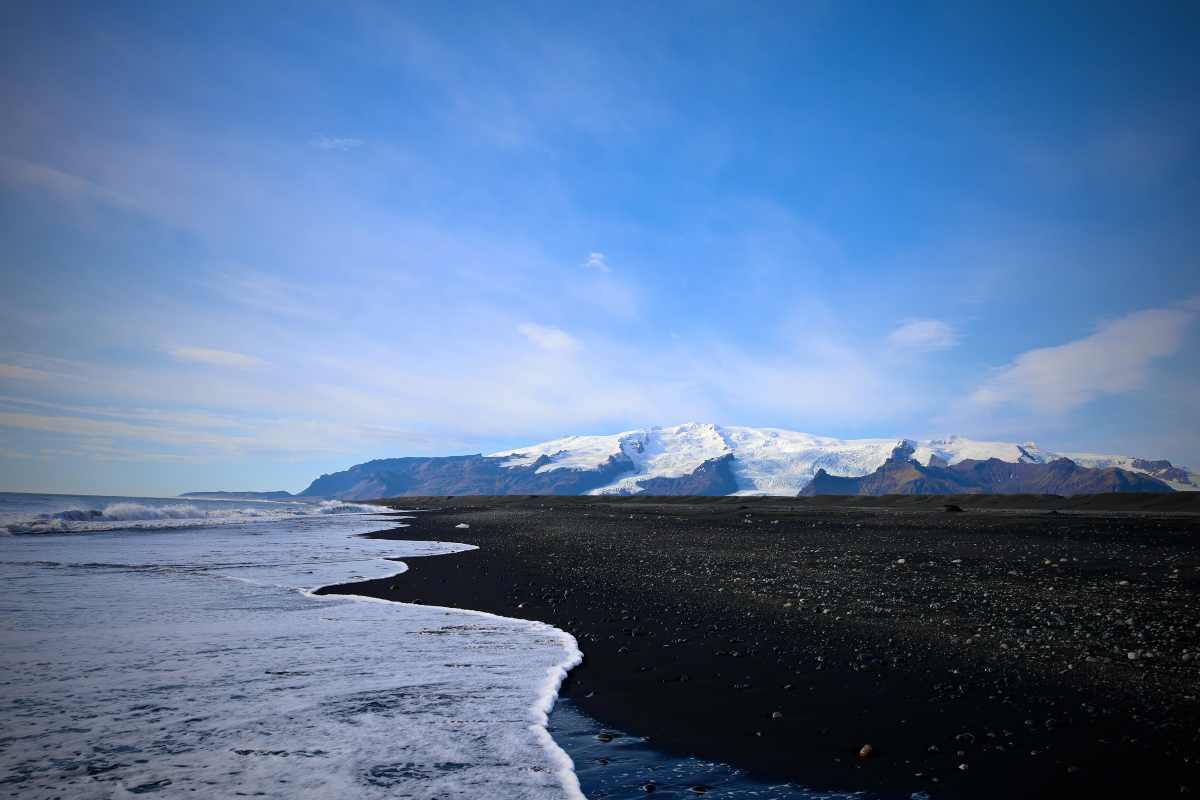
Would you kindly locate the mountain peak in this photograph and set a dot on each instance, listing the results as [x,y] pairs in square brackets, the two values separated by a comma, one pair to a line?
[695,456]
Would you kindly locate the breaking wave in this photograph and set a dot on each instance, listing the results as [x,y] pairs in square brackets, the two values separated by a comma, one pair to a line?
[126,515]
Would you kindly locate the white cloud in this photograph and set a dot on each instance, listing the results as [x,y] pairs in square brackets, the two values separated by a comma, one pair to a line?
[554,340]
[101,452]
[341,144]
[14,372]
[62,185]
[216,358]
[597,261]
[924,335]
[1113,360]
[83,426]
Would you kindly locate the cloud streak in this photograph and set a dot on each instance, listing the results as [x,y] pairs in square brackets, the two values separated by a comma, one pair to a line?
[1116,359]
[598,262]
[338,143]
[214,358]
[550,339]
[924,335]
[18,373]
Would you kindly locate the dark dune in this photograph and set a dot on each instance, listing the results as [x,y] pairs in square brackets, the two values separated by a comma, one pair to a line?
[980,654]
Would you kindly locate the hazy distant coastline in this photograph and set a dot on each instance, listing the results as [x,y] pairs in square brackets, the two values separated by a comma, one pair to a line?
[279,495]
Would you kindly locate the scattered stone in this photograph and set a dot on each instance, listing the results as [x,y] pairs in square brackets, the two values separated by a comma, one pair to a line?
[866,751]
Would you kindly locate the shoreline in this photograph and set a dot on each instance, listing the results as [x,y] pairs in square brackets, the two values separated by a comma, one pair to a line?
[938,639]
[553,680]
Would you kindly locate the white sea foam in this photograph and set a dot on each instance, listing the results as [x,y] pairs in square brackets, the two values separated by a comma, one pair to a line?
[146,513]
[202,666]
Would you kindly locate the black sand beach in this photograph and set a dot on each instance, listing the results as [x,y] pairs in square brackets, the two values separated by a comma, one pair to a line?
[998,652]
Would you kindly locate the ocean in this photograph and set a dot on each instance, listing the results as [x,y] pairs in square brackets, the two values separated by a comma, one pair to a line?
[174,647]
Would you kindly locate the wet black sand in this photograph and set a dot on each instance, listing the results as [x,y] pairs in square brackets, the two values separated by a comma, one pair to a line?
[991,653]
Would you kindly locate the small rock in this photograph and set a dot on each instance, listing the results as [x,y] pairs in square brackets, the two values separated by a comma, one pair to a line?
[866,751]
[777,715]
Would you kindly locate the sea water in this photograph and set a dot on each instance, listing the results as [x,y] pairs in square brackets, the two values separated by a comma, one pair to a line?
[186,658]
[174,648]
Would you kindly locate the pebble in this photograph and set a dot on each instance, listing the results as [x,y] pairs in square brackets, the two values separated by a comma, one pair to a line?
[866,751]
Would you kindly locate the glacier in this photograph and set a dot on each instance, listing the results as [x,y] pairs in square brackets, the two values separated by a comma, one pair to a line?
[776,461]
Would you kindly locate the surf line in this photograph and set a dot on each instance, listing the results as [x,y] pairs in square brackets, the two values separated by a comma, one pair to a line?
[547,695]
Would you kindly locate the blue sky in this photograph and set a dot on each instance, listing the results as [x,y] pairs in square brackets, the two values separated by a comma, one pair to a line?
[244,246]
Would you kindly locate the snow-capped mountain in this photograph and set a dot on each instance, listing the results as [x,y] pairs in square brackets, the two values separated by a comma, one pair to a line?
[782,462]
[694,458]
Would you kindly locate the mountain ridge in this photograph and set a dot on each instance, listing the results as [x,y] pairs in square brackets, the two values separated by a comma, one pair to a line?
[901,474]
[698,458]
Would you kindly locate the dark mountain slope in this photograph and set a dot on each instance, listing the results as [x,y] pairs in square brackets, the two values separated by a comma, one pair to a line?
[461,475]
[900,474]
[713,477]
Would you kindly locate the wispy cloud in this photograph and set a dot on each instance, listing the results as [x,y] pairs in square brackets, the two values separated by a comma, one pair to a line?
[17,373]
[340,143]
[1113,360]
[548,338]
[61,185]
[212,357]
[597,261]
[83,426]
[106,453]
[924,335]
